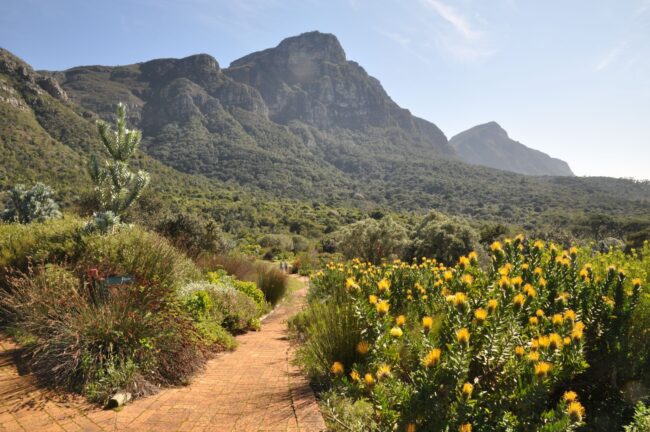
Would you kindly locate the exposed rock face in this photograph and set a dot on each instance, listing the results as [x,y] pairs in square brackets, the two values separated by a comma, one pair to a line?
[489,145]
[34,82]
[52,86]
[308,78]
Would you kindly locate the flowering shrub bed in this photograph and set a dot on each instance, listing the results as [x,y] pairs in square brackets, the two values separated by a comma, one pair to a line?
[462,348]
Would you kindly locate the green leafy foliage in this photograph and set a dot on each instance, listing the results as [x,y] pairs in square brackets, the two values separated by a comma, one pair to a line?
[26,205]
[373,240]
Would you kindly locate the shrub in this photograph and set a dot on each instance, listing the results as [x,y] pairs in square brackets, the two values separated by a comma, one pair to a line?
[222,304]
[641,422]
[95,340]
[248,288]
[445,239]
[27,205]
[372,240]
[511,348]
[194,236]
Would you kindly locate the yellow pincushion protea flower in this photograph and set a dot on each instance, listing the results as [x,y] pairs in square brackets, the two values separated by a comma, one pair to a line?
[354,376]
[492,305]
[363,347]
[496,247]
[467,390]
[467,279]
[460,299]
[373,299]
[537,271]
[538,244]
[480,314]
[382,307]
[533,321]
[351,284]
[383,371]
[473,256]
[337,368]
[542,369]
[569,315]
[463,261]
[383,285]
[544,342]
[533,356]
[542,282]
[520,351]
[504,282]
[462,336]
[555,341]
[519,300]
[530,291]
[432,358]
[400,320]
[557,319]
[448,275]
[396,332]
[465,427]
[570,396]
[427,323]
[576,334]
[369,380]
[516,281]
[636,282]
[566,341]
[576,411]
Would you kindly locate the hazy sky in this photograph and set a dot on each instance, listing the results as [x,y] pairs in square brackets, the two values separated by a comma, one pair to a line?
[571,78]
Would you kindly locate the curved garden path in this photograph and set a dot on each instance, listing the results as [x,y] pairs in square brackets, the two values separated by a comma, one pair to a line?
[254,388]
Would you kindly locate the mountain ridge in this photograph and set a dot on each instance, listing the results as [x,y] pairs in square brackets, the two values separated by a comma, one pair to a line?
[489,145]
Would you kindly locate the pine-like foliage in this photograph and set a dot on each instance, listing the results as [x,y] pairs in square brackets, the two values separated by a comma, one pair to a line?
[117,186]
[26,205]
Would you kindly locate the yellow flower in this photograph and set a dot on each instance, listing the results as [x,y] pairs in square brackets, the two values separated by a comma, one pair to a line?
[538,244]
[539,313]
[427,323]
[516,281]
[537,271]
[555,341]
[369,379]
[573,251]
[473,256]
[569,315]
[410,427]
[448,275]
[534,344]
[533,356]
[562,297]
[492,305]
[566,341]
[496,247]
[519,238]
[519,300]
[542,369]
[383,285]
[636,282]
[576,334]
[400,320]
[351,284]
[382,307]
[576,411]
[533,321]
[372,299]
[505,270]
[542,282]
[557,319]
[396,332]
[465,427]
[363,347]
[519,351]
[570,396]
[480,314]
[383,371]
[530,290]
[467,279]
[467,390]
[525,266]
[432,358]
[463,261]
[337,368]
[543,342]
[460,298]
[354,375]
[462,336]
[504,282]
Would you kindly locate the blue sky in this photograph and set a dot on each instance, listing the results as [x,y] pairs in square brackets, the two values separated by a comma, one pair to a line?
[571,78]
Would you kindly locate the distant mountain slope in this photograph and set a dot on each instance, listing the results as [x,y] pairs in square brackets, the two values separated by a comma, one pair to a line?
[489,145]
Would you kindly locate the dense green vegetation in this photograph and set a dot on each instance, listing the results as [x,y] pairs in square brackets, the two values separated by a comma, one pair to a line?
[538,338]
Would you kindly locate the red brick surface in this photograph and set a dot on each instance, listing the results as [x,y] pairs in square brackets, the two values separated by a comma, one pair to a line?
[254,388]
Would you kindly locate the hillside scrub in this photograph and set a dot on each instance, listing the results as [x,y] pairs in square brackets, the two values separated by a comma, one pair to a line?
[541,339]
[80,333]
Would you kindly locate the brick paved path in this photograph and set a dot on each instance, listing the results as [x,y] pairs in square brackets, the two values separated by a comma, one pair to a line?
[254,388]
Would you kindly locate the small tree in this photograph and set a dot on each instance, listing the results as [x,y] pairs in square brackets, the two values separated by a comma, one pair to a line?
[116,185]
[445,239]
[26,205]
[373,240]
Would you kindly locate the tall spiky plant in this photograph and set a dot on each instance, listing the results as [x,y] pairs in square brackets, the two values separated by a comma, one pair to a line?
[117,186]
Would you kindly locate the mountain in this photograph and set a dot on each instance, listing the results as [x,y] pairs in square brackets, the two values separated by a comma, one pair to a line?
[292,138]
[489,145]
